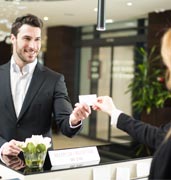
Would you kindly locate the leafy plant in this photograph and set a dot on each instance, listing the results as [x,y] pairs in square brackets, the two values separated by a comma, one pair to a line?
[34,150]
[36,144]
[31,148]
[147,87]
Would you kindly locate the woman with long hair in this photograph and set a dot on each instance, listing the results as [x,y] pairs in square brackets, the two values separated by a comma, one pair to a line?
[158,138]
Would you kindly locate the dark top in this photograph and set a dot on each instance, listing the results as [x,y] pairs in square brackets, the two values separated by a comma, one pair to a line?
[143,132]
[161,163]
[153,137]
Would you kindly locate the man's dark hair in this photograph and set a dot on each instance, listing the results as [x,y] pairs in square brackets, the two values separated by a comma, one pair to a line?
[28,19]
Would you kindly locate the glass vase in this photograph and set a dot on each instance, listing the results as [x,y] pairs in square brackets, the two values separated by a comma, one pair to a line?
[34,160]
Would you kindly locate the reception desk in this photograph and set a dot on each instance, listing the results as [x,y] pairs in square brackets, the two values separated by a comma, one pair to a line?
[108,168]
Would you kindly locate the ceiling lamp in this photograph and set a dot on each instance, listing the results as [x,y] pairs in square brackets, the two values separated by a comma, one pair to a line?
[101,26]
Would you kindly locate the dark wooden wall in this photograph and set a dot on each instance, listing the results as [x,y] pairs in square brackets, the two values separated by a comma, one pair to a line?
[60,55]
[5,52]
[158,23]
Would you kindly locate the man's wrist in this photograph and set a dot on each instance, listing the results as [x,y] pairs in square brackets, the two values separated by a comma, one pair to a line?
[75,125]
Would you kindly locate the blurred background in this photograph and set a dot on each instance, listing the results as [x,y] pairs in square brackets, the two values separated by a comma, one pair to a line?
[92,61]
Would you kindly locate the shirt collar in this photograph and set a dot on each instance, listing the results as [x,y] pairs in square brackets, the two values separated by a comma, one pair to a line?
[28,68]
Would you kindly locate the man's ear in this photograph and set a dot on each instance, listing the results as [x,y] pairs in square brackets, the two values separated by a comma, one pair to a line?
[12,38]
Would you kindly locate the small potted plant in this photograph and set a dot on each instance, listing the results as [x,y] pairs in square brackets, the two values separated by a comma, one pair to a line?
[35,150]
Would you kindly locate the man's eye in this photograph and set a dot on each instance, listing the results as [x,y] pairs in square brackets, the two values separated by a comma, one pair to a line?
[26,38]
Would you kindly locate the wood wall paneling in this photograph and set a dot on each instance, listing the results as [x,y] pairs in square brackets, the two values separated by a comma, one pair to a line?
[5,52]
[60,55]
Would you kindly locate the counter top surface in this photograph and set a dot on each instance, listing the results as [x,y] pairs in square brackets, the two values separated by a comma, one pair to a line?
[108,154]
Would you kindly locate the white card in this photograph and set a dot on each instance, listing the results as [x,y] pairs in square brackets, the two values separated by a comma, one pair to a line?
[88,99]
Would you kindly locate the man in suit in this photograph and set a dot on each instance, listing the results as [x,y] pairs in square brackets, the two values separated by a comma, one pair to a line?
[30,92]
[142,132]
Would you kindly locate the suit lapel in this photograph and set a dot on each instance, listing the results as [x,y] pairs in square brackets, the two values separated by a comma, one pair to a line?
[35,84]
[5,83]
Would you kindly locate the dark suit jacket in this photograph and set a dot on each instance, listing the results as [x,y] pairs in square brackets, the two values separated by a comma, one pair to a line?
[47,93]
[143,132]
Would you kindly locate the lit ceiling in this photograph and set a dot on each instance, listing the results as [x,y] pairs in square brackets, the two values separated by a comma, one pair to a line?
[77,12]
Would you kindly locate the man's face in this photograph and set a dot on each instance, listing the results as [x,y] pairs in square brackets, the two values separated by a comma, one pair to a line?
[26,45]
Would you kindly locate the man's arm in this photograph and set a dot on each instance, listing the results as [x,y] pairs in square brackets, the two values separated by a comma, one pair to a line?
[68,119]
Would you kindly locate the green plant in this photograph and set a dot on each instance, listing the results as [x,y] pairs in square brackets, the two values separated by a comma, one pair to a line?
[147,87]
[35,144]
[34,150]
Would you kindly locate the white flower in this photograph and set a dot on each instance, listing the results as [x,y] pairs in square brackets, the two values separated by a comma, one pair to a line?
[37,139]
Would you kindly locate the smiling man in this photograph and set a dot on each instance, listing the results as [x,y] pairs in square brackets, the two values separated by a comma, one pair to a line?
[31,92]
[26,44]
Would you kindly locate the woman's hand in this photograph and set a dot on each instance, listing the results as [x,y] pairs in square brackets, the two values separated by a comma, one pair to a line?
[105,104]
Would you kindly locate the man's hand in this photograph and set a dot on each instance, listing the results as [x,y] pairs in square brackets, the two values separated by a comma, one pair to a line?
[80,112]
[13,162]
[11,148]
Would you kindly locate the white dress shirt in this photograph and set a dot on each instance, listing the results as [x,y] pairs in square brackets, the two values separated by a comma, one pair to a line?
[20,81]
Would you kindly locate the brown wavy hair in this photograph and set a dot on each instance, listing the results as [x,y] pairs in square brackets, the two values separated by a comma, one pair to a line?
[29,19]
[166,55]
